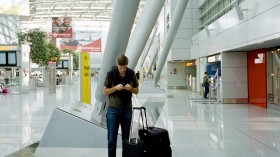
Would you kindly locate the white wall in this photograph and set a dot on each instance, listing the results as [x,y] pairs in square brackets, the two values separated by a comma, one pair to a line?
[260,23]
[201,64]
[189,26]
[178,79]
[180,49]
[234,77]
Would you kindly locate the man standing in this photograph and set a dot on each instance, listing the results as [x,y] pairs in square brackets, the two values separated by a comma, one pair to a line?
[119,85]
[206,84]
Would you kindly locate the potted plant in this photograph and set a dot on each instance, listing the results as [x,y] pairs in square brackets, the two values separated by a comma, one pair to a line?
[42,49]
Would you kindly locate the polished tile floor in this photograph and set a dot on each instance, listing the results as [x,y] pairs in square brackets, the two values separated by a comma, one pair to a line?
[197,128]
[23,117]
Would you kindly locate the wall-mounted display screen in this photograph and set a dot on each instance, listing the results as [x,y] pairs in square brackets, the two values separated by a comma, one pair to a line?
[214,58]
[3,58]
[63,64]
[8,58]
[211,59]
[12,58]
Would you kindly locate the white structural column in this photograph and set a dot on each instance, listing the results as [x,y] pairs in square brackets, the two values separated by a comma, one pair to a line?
[143,30]
[124,13]
[153,58]
[175,23]
[276,58]
[148,46]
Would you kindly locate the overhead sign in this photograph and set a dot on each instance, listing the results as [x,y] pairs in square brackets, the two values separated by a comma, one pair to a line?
[9,47]
[260,59]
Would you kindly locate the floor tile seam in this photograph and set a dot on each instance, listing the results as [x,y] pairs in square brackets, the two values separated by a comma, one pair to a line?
[191,143]
[195,145]
[244,132]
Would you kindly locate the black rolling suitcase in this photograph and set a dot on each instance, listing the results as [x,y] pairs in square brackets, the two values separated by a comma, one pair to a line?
[156,140]
[133,147]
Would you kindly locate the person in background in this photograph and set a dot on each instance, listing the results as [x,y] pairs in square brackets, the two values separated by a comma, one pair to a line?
[119,85]
[138,75]
[206,85]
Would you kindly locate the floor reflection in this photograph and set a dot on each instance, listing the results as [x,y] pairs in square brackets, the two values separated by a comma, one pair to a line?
[196,128]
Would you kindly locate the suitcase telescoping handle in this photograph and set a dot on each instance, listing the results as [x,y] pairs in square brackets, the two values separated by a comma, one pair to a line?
[144,119]
[142,108]
[131,125]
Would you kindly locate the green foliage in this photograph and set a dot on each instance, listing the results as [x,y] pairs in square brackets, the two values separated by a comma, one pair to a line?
[53,52]
[42,51]
[75,57]
[67,51]
[76,60]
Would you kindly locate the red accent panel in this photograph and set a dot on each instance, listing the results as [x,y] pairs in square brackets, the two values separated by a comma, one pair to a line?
[257,86]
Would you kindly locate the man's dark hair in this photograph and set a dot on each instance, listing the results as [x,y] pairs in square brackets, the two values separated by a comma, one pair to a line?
[205,72]
[121,60]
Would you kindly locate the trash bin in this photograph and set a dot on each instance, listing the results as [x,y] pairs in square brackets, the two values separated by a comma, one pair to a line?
[32,83]
[7,80]
[193,84]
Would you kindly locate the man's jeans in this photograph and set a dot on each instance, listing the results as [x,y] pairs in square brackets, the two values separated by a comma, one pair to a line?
[116,116]
[206,91]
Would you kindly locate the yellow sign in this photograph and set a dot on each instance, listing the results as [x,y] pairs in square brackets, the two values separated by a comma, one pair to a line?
[9,48]
[85,74]
[189,64]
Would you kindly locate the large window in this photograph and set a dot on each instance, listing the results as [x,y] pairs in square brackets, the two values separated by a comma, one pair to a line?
[211,10]
[273,76]
[9,26]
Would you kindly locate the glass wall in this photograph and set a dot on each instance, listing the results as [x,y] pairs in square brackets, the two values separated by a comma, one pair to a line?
[9,26]
[273,76]
[211,10]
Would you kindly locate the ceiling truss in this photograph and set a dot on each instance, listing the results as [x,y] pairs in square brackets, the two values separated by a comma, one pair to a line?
[81,11]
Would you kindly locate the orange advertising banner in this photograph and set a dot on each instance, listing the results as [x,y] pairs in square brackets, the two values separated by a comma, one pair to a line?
[62,27]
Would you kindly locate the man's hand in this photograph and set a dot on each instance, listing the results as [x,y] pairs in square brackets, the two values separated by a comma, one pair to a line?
[130,88]
[127,87]
[119,87]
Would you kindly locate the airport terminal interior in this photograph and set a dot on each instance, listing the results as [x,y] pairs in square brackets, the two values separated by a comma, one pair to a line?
[55,55]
